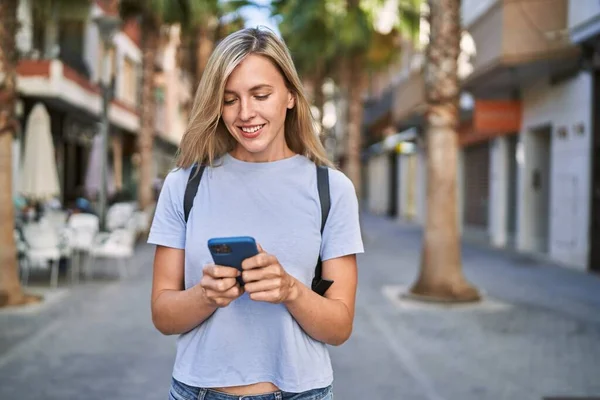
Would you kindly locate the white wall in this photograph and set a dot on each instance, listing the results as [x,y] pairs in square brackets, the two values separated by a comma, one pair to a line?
[124,47]
[534,234]
[471,10]
[582,12]
[498,208]
[91,45]
[378,189]
[567,104]
[24,36]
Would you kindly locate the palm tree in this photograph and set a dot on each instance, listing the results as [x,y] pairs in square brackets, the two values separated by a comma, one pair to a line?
[196,18]
[152,14]
[149,13]
[305,26]
[11,292]
[441,277]
[204,23]
[366,49]
[10,288]
[309,28]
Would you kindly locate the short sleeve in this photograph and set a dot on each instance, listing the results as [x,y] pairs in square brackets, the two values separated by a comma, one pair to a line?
[168,226]
[341,235]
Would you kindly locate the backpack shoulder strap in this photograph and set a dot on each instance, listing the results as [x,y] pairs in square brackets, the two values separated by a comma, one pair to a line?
[191,189]
[320,285]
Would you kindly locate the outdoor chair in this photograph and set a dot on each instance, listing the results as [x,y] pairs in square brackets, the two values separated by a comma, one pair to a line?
[42,250]
[117,245]
[83,229]
[118,215]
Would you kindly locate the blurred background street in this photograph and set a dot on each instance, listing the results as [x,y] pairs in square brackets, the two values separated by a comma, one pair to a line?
[470,125]
[538,337]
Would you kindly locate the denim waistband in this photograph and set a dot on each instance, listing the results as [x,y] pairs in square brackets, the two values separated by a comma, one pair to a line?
[181,391]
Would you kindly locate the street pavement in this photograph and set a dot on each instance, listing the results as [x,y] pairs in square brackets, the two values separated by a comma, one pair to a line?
[536,334]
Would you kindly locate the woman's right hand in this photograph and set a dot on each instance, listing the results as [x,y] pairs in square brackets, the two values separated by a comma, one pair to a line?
[219,285]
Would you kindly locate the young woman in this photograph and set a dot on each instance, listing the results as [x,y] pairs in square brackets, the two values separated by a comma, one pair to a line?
[252,128]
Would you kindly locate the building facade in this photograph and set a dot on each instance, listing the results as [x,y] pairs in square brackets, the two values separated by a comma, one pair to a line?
[584,29]
[526,135]
[62,59]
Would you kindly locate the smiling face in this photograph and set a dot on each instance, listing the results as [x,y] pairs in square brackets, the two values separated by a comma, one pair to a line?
[255,104]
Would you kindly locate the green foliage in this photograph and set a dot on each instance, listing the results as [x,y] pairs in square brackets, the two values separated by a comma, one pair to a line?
[410,18]
[321,32]
[355,30]
[44,9]
[309,32]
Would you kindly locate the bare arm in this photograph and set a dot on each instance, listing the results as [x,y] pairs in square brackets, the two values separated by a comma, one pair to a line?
[177,310]
[328,319]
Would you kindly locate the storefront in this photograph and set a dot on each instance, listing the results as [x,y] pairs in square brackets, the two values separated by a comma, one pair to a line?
[488,171]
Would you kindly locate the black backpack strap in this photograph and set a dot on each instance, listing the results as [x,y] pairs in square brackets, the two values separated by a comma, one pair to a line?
[320,285]
[191,189]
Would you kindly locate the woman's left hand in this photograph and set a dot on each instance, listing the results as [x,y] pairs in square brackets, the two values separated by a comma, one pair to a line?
[266,280]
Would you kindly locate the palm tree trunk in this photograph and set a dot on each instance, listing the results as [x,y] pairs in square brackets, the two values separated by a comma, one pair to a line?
[146,135]
[441,277]
[204,49]
[10,288]
[357,84]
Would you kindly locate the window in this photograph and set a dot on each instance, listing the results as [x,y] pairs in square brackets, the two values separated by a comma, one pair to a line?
[129,85]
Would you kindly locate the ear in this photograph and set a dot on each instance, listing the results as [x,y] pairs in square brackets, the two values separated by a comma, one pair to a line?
[291,100]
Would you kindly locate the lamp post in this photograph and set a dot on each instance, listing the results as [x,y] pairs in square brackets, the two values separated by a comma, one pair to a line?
[107,25]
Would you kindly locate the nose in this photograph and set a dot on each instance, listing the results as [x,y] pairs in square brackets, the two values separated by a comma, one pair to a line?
[246,111]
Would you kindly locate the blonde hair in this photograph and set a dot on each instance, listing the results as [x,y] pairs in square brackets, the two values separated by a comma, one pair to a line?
[206,138]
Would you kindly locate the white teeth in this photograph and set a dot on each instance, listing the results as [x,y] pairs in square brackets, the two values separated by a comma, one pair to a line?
[253,129]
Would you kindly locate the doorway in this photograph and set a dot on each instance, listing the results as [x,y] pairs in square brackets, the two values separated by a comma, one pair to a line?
[511,211]
[476,186]
[538,185]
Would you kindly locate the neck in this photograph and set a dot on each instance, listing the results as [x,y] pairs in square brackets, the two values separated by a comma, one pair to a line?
[265,156]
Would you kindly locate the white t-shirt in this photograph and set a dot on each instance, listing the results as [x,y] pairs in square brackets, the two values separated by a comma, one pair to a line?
[277,203]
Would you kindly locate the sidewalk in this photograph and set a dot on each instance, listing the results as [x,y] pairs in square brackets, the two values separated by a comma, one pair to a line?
[536,334]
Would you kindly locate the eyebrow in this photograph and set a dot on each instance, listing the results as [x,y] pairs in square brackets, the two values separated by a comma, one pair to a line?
[252,89]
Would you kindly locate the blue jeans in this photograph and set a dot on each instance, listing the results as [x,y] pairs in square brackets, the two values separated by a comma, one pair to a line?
[181,391]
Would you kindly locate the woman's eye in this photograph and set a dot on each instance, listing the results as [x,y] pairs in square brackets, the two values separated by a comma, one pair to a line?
[263,97]
[228,102]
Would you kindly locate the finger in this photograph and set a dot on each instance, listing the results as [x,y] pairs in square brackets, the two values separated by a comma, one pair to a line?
[233,293]
[260,249]
[263,285]
[218,285]
[269,296]
[259,261]
[220,271]
[259,274]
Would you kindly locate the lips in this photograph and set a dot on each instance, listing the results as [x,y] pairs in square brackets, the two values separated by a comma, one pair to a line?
[250,132]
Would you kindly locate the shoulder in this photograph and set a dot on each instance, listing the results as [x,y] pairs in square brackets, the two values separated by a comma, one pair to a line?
[177,176]
[176,180]
[339,184]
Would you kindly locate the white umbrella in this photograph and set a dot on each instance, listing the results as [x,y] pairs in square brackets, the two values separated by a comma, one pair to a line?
[93,176]
[39,175]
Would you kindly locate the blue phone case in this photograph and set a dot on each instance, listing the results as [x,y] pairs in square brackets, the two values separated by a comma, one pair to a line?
[231,251]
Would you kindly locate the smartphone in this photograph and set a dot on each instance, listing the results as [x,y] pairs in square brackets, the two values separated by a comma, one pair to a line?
[231,251]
